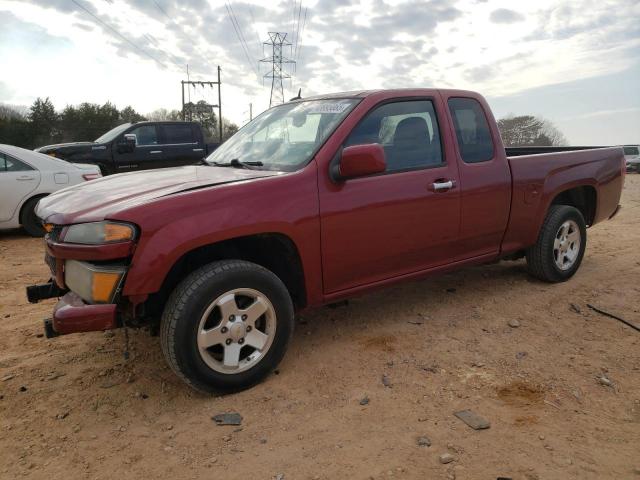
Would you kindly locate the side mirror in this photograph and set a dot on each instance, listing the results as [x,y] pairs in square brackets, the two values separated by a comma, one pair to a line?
[131,141]
[360,160]
[128,144]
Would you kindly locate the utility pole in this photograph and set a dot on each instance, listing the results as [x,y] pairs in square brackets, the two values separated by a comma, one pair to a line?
[250,111]
[277,40]
[189,83]
[219,105]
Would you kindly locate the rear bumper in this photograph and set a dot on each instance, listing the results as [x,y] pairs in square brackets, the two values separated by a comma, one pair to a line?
[72,315]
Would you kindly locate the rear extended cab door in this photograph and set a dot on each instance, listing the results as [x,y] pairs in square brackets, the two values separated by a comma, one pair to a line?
[182,144]
[378,228]
[485,176]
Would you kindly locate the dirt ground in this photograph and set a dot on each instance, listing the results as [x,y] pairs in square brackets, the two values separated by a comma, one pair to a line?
[561,390]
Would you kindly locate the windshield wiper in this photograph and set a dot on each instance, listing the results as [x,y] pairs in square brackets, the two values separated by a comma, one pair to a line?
[235,163]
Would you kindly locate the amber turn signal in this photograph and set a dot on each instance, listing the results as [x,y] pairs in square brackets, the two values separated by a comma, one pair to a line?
[103,286]
[117,232]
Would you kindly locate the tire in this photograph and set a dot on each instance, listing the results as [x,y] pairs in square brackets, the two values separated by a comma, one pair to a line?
[30,222]
[556,256]
[203,303]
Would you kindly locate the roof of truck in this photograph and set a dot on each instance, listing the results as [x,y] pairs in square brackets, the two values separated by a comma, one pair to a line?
[389,92]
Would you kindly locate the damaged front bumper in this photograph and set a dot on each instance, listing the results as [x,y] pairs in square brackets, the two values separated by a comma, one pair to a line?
[87,280]
[71,314]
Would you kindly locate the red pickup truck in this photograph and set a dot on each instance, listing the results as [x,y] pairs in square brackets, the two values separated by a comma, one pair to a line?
[314,201]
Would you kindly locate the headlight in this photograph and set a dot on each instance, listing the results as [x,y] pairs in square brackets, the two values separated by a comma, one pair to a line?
[93,283]
[97,233]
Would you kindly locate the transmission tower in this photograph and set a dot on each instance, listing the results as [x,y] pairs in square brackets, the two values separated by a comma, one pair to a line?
[277,41]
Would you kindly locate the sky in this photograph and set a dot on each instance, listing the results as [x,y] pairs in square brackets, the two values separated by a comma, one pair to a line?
[574,63]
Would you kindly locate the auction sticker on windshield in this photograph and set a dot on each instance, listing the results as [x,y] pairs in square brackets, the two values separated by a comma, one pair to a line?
[329,108]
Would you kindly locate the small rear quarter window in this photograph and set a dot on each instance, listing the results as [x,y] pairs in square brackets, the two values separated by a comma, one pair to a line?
[472,130]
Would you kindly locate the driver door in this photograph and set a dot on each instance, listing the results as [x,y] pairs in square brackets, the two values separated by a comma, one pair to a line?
[148,152]
[399,222]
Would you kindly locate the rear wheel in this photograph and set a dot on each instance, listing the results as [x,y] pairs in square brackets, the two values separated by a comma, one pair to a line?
[30,222]
[226,326]
[558,253]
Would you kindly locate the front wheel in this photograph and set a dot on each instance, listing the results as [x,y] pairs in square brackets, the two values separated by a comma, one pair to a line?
[30,221]
[558,253]
[227,326]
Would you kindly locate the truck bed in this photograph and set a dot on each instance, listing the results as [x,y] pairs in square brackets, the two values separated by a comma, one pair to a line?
[538,179]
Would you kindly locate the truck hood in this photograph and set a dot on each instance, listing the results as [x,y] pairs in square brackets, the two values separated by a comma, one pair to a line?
[103,198]
[81,146]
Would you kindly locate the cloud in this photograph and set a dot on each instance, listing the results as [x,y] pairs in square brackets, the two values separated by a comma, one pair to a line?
[504,15]
[346,44]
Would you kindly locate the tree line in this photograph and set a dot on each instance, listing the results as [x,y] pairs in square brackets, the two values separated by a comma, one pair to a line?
[529,131]
[41,124]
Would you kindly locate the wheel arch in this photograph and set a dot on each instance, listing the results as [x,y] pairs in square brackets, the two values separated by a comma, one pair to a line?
[39,196]
[274,251]
[583,197]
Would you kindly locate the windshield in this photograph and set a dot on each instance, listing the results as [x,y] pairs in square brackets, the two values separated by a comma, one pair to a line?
[285,137]
[113,133]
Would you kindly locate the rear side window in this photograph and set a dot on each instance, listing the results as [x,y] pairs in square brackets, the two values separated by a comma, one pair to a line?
[472,130]
[10,164]
[178,134]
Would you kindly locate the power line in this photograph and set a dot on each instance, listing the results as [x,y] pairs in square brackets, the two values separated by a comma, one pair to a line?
[240,37]
[106,25]
[293,19]
[295,42]
[173,22]
[296,55]
[244,40]
[253,25]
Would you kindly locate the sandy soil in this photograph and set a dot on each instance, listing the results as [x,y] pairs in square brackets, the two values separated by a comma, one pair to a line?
[72,407]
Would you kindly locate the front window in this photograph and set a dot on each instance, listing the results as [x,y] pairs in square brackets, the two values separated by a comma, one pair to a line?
[145,135]
[284,138]
[408,132]
[113,133]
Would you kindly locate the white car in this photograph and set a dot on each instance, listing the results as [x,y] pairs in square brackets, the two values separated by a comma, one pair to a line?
[632,158]
[26,177]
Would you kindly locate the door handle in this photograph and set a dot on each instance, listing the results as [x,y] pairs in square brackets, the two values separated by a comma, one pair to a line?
[25,177]
[442,186]
[198,149]
[155,151]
